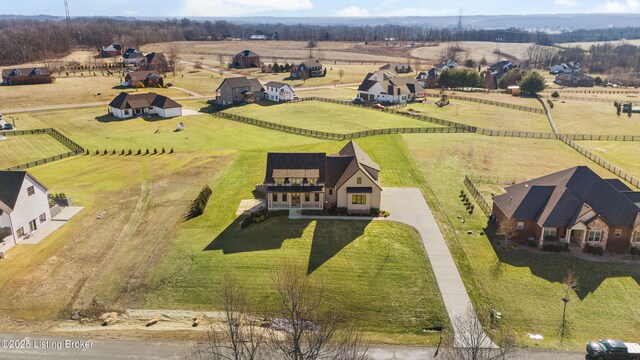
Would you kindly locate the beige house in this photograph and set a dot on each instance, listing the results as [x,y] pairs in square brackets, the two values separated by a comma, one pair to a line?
[346,180]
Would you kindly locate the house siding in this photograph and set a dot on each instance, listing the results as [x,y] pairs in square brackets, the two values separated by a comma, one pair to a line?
[27,208]
[373,199]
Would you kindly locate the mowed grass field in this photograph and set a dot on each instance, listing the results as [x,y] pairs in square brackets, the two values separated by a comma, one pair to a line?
[323,116]
[485,116]
[17,150]
[578,117]
[524,286]
[622,154]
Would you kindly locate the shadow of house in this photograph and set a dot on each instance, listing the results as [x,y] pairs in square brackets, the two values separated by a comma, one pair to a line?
[329,238]
[554,266]
[268,235]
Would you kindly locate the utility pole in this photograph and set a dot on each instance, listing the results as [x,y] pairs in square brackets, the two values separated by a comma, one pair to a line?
[66,10]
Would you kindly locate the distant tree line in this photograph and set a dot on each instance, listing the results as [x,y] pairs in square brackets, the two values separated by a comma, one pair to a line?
[24,40]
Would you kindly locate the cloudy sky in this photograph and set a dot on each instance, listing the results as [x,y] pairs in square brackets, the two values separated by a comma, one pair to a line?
[177,8]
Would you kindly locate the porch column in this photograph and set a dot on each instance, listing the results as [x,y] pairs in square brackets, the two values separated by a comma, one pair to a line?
[568,236]
[289,200]
[541,242]
[584,238]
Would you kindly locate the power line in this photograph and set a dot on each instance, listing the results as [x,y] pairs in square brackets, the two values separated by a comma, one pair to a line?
[66,10]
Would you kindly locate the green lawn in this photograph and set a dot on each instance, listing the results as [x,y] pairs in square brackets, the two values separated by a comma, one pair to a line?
[575,117]
[485,116]
[622,154]
[322,116]
[524,286]
[17,150]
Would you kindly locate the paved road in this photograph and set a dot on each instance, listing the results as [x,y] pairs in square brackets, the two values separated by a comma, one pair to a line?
[55,348]
[407,205]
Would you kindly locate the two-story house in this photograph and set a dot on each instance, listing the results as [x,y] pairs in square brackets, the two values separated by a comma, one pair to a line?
[573,206]
[246,59]
[278,92]
[307,69]
[155,61]
[239,90]
[386,86]
[346,180]
[24,207]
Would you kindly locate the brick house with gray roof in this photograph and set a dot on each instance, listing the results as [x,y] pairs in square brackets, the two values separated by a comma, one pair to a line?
[574,206]
[346,180]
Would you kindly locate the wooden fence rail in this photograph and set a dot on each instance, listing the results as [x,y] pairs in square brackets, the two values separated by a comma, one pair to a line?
[482,202]
[493,103]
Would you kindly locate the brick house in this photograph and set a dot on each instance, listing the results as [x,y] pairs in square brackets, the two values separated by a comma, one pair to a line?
[346,180]
[239,90]
[146,78]
[246,59]
[132,57]
[574,79]
[112,50]
[155,61]
[26,76]
[574,206]
[307,69]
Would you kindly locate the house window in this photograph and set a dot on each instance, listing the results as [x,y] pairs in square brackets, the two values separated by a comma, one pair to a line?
[43,217]
[549,232]
[31,190]
[274,197]
[594,235]
[312,181]
[279,181]
[617,233]
[284,197]
[296,181]
[637,237]
[520,225]
[126,112]
[358,199]
[359,180]
[20,232]
[330,191]
[317,197]
[307,197]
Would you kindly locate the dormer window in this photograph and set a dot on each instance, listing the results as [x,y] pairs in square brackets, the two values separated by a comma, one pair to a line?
[17,72]
[36,71]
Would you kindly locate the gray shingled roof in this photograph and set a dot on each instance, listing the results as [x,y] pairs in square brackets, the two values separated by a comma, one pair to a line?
[135,101]
[10,185]
[554,200]
[25,71]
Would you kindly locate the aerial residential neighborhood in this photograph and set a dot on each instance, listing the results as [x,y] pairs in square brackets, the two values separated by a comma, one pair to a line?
[312,180]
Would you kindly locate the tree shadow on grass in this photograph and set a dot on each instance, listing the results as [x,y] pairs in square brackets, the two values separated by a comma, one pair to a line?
[330,237]
[554,266]
[268,235]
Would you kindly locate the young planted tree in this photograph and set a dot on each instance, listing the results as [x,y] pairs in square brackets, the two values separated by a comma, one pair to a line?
[472,343]
[507,228]
[311,329]
[570,283]
[341,74]
[555,95]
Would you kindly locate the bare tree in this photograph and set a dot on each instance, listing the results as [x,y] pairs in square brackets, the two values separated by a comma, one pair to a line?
[508,228]
[173,57]
[303,326]
[236,338]
[341,74]
[472,343]
[570,283]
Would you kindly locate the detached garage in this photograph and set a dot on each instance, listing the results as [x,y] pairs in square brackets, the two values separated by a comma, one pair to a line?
[126,106]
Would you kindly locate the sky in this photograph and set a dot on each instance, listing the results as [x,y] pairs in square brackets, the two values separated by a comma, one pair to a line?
[313,8]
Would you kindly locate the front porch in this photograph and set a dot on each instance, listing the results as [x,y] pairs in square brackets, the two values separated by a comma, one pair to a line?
[302,201]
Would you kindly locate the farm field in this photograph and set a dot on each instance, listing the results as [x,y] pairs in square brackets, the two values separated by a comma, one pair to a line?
[593,118]
[322,116]
[477,50]
[353,74]
[485,116]
[340,93]
[504,98]
[494,276]
[622,154]
[17,150]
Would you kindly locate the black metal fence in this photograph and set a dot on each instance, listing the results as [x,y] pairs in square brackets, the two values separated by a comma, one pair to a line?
[598,160]
[482,202]
[586,137]
[600,92]
[56,135]
[597,100]
[493,103]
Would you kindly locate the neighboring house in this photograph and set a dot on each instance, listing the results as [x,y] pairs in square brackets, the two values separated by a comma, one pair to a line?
[246,59]
[574,79]
[279,92]
[155,61]
[146,78]
[346,180]
[491,77]
[258,37]
[565,68]
[26,76]
[428,79]
[24,207]
[126,106]
[132,57]
[111,51]
[307,69]
[386,86]
[239,90]
[399,68]
[573,206]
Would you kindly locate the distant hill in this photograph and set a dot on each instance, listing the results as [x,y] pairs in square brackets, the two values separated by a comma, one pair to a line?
[558,22]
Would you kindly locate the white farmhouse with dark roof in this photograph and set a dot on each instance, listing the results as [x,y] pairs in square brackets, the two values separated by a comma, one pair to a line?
[126,106]
[279,92]
[24,207]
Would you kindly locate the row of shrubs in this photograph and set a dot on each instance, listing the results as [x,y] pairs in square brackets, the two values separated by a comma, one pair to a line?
[467,202]
[130,152]
[200,203]
[58,196]
[591,249]
[555,247]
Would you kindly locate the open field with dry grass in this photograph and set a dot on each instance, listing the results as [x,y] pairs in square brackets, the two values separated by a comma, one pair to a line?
[477,50]
[574,117]
[485,116]
[622,154]
[17,150]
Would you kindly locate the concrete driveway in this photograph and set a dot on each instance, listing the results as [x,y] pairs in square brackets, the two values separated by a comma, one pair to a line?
[407,205]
